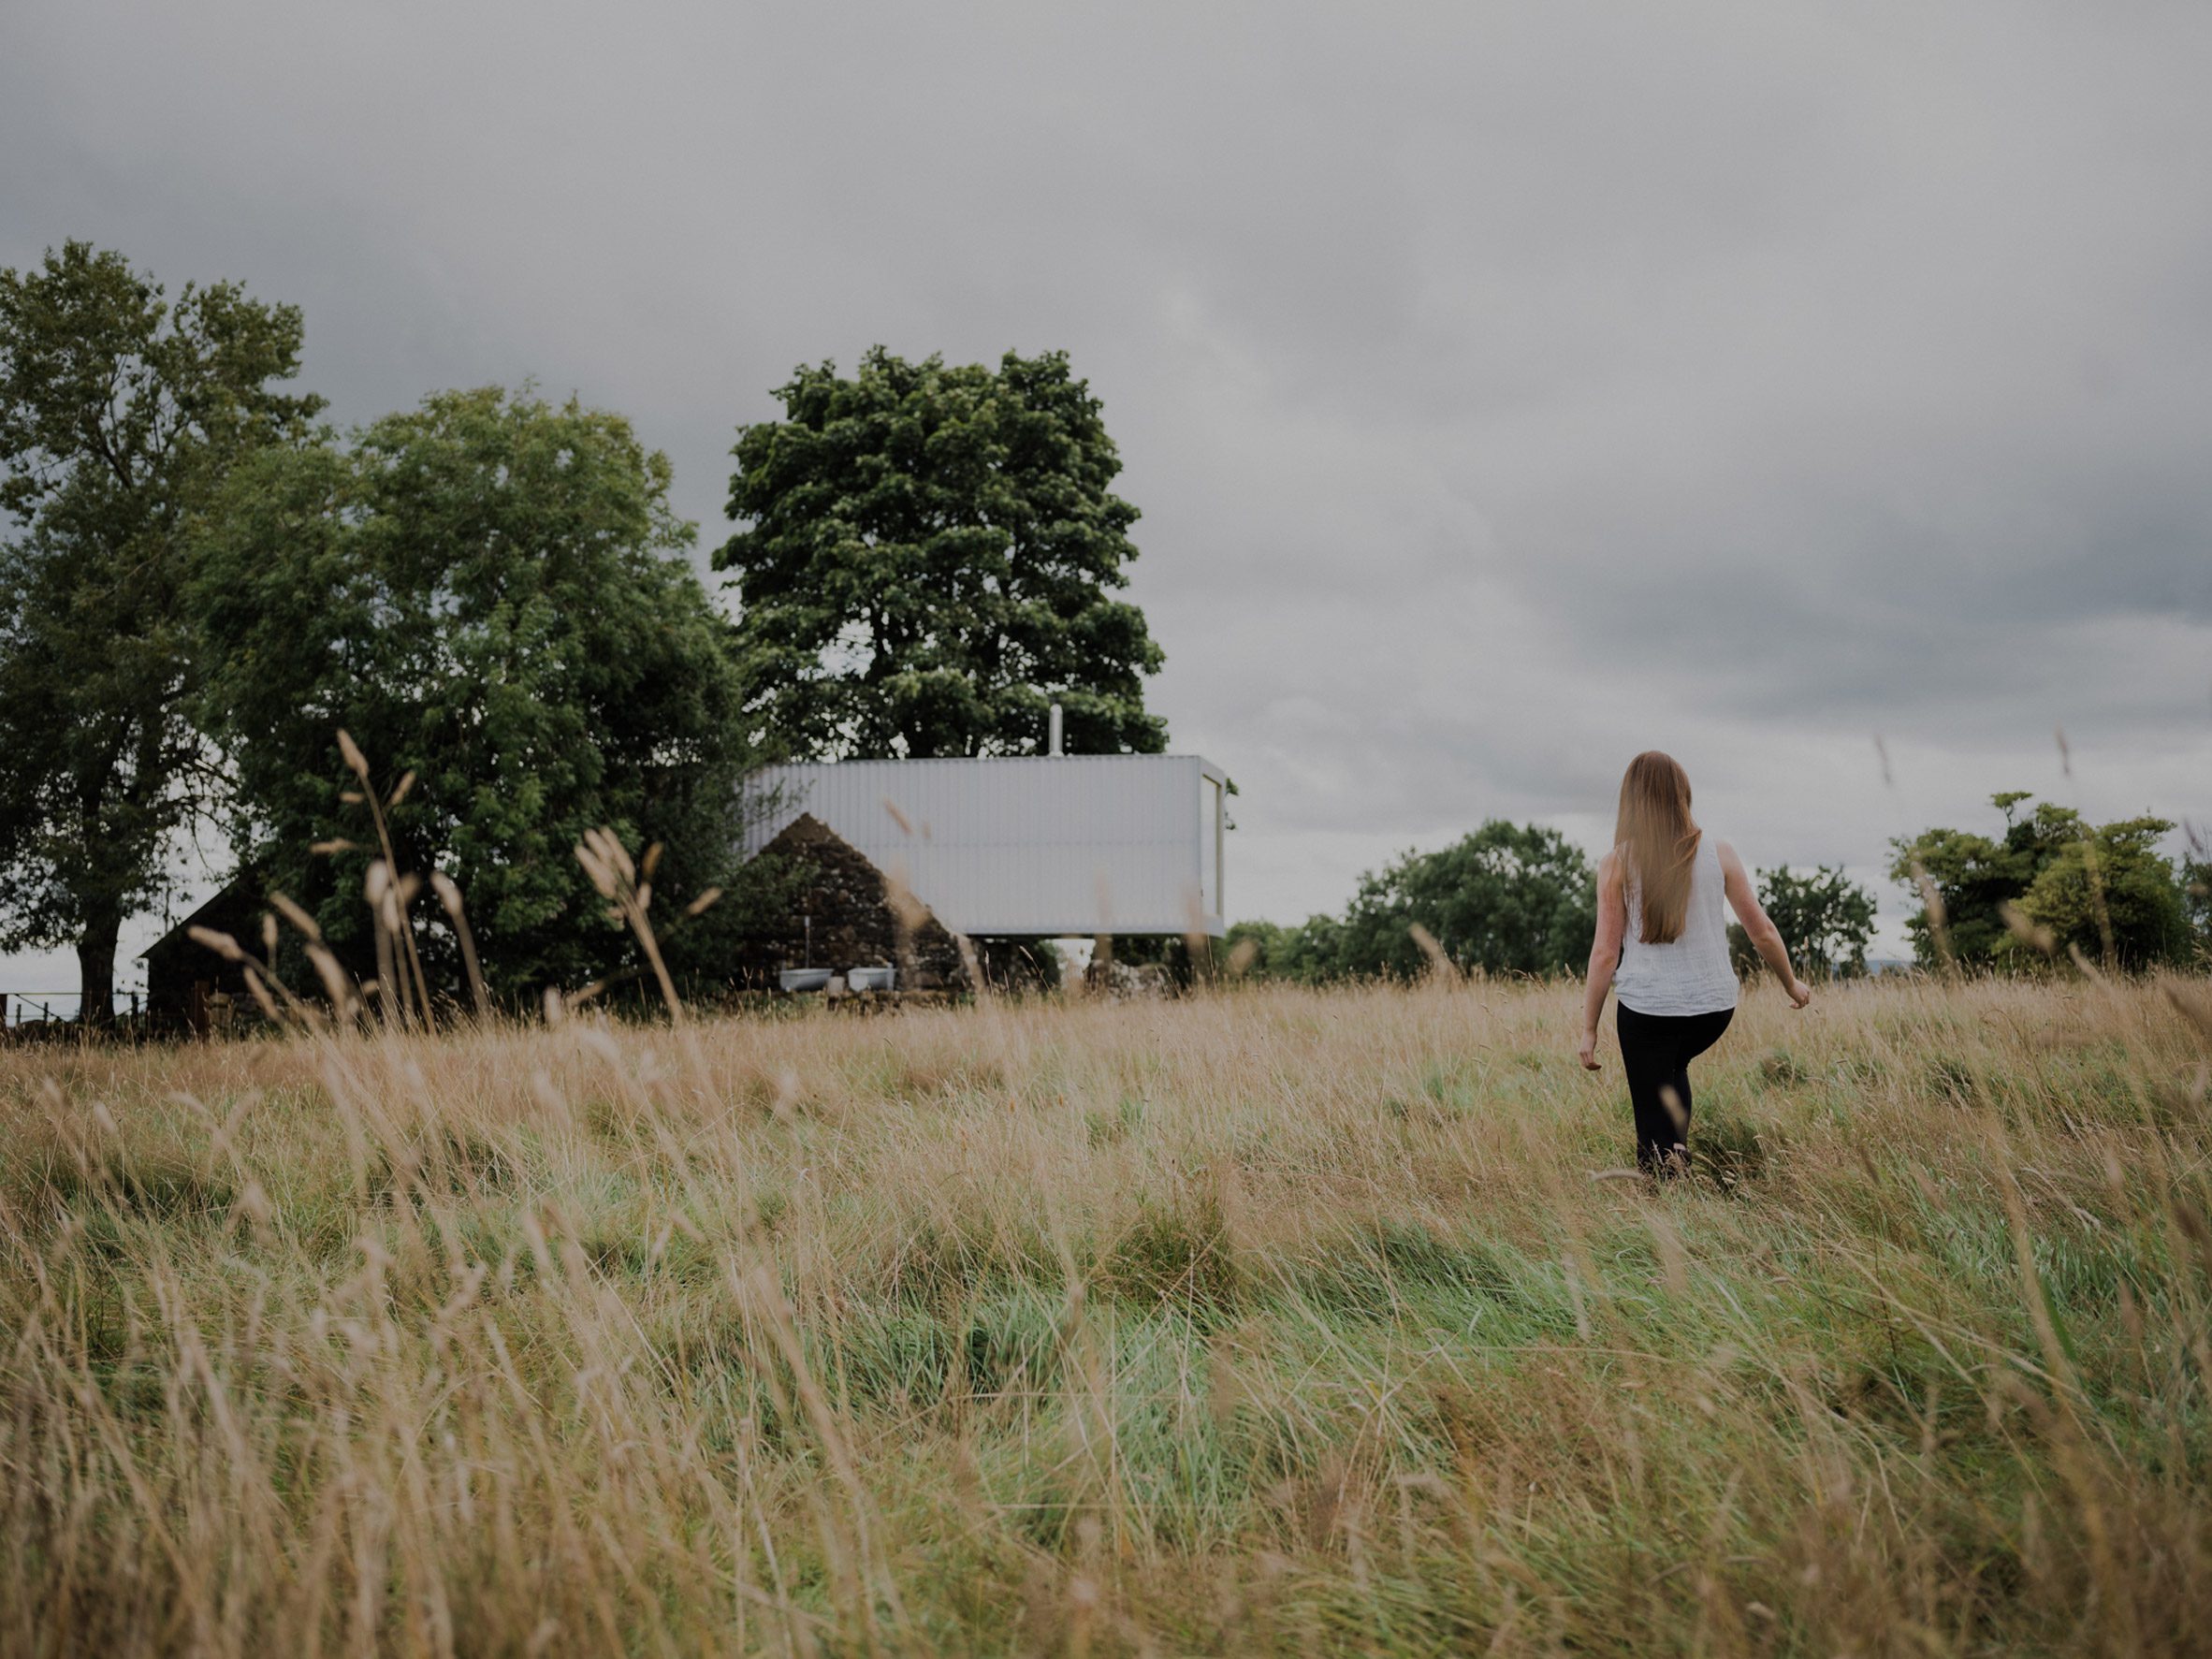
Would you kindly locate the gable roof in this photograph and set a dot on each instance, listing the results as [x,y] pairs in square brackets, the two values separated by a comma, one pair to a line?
[235,901]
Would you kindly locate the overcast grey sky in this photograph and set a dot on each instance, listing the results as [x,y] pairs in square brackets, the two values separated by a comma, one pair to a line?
[1506,389]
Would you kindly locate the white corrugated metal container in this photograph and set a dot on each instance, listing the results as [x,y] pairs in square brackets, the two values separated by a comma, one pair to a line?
[1026,846]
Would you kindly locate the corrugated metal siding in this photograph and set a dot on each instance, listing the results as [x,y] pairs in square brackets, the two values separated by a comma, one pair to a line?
[1020,846]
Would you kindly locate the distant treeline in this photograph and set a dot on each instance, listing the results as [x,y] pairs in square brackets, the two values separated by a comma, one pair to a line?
[1521,899]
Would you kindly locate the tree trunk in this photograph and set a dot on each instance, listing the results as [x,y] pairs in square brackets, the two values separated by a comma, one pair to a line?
[95,967]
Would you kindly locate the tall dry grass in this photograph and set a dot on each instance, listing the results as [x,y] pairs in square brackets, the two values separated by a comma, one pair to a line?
[1266,1319]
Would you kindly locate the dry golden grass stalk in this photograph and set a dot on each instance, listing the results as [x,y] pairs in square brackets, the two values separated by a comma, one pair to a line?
[389,899]
[449,895]
[2030,933]
[608,864]
[1442,969]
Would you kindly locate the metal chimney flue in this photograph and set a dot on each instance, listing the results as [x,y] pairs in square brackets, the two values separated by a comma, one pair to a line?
[1052,733]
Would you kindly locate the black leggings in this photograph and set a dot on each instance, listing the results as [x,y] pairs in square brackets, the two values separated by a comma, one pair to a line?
[1655,1052]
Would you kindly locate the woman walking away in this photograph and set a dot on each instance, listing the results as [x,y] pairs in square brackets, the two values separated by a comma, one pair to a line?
[1659,918]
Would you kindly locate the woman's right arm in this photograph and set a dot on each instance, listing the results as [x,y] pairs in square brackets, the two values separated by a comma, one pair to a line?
[1764,937]
[1605,952]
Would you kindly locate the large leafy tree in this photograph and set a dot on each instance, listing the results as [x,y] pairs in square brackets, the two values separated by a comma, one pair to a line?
[2113,896]
[1975,876]
[488,592]
[929,559]
[1825,918]
[121,413]
[1508,898]
[2104,890]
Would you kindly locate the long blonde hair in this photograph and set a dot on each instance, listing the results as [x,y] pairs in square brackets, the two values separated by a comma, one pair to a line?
[1658,839]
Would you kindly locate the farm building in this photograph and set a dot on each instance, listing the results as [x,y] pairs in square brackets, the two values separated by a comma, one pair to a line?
[889,862]
[1036,847]
[837,915]
[187,985]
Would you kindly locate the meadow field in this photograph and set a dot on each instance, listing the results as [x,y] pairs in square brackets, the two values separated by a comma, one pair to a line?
[1260,1320]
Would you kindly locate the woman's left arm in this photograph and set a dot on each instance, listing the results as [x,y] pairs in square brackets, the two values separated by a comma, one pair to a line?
[1605,952]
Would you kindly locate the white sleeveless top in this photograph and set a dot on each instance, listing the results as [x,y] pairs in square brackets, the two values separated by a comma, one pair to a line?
[1692,975]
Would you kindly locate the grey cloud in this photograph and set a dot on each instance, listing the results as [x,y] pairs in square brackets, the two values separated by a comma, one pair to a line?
[1505,389]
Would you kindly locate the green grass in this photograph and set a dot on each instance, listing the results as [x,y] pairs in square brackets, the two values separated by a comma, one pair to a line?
[1263,1321]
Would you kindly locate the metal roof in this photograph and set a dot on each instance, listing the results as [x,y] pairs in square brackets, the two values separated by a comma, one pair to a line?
[1025,846]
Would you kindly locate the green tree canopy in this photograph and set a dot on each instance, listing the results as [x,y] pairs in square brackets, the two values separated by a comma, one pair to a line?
[1824,919]
[2196,893]
[2111,895]
[928,559]
[2090,887]
[1306,951]
[1975,876]
[120,416]
[488,592]
[1508,898]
